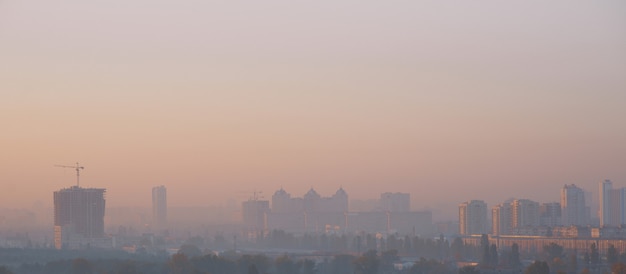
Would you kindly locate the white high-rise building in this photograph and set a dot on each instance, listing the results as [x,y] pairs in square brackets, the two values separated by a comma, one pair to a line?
[573,207]
[473,218]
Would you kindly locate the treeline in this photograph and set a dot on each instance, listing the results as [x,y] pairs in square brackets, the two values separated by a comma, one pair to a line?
[370,262]
[415,246]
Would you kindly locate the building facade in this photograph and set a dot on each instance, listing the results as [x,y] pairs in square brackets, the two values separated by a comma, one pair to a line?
[473,218]
[501,219]
[78,216]
[525,213]
[573,207]
[159,207]
[395,202]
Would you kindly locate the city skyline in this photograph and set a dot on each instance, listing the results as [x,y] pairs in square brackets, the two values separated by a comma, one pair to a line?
[446,102]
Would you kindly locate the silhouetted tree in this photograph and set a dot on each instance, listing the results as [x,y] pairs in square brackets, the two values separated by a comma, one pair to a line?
[572,264]
[424,266]
[367,263]
[553,251]
[618,268]
[5,270]
[387,258]
[342,264]
[468,270]
[514,259]
[594,256]
[612,255]
[81,266]
[284,265]
[484,245]
[538,267]
[493,253]
[190,250]
[252,269]
[308,267]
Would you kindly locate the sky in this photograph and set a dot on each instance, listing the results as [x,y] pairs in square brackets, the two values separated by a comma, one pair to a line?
[449,101]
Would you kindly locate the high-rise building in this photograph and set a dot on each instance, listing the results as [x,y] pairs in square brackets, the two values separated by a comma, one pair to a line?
[254,213]
[501,219]
[550,214]
[605,203]
[473,217]
[159,206]
[78,216]
[573,207]
[395,202]
[525,213]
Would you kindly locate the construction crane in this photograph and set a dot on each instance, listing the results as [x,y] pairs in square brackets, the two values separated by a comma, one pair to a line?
[78,168]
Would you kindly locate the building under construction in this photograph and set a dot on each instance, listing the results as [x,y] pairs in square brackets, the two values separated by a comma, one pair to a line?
[79,217]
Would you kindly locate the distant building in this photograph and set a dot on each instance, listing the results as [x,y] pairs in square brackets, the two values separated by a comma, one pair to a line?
[573,208]
[395,202]
[254,213]
[550,214]
[502,219]
[316,214]
[312,202]
[612,205]
[473,218]
[79,217]
[525,213]
[605,203]
[159,206]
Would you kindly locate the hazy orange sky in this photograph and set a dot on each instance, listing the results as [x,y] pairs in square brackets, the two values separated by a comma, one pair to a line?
[448,101]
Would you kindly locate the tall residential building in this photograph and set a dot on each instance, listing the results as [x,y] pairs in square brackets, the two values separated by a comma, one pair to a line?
[573,207]
[550,214]
[395,202]
[605,203]
[473,218]
[501,219]
[255,216]
[311,202]
[159,206]
[525,213]
[78,216]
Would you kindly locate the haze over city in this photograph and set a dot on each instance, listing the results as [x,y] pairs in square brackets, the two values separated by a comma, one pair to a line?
[216,100]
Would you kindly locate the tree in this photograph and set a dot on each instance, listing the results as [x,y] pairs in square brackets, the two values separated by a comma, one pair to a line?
[190,250]
[308,267]
[469,269]
[594,256]
[81,266]
[612,255]
[5,270]
[179,264]
[252,269]
[573,263]
[342,264]
[618,268]
[367,263]
[484,245]
[515,260]
[387,258]
[493,252]
[457,248]
[553,251]
[538,267]
[284,265]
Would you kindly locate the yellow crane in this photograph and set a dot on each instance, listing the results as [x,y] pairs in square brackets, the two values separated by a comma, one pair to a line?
[78,168]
